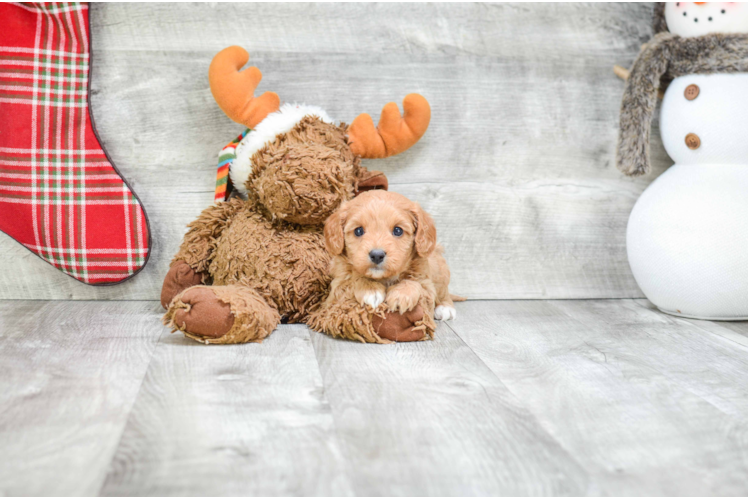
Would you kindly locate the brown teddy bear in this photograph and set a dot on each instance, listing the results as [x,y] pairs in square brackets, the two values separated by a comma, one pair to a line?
[246,265]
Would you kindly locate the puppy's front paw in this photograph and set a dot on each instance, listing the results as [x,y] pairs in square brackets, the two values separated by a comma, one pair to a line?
[445,313]
[401,299]
[373,298]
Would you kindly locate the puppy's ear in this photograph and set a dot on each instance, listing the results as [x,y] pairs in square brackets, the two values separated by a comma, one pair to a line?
[334,236]
[425,231]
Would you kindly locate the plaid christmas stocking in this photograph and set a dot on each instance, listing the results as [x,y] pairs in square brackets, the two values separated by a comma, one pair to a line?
[60,195]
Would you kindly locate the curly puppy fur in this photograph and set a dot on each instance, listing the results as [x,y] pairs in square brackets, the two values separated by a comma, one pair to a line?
[265,256]
[664,58]
[413,271]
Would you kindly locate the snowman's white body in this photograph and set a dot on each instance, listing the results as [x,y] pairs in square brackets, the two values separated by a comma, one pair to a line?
[687,236]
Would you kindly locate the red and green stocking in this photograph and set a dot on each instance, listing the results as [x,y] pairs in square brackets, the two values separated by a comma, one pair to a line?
[60,195]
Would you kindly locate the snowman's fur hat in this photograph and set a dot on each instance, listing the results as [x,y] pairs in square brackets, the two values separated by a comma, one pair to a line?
[266,132]
[664,58]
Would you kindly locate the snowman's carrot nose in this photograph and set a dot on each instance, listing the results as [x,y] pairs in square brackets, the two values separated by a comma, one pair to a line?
[700,3]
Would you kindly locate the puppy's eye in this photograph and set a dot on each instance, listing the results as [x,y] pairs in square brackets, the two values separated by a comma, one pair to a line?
[359,231]
[398,231]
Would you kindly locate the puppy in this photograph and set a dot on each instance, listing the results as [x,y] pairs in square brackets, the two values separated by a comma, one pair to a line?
[385,251]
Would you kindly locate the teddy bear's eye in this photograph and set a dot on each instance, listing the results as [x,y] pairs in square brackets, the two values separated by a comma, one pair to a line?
[359,231]
[398,231]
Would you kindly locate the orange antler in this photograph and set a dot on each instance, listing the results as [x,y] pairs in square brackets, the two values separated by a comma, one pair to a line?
[394,134]
[234,90]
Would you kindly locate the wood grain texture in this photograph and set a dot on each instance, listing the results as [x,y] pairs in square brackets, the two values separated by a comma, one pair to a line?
[231,420]
[69,374]
[429,418]
[698,355]
[516,168]
[646,403]
[596,397]
[736,331]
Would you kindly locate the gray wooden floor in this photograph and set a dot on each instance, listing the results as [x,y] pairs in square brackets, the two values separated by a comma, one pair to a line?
[514,397]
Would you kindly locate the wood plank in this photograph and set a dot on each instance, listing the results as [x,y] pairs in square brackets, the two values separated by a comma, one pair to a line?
[515,29]
[618,385]
[736,331]
[699,355]
[69,374]
[521,145]
[240,420]
[429,418]
[529,397]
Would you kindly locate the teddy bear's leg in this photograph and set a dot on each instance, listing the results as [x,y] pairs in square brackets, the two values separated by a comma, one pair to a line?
[221,315]
[349,319]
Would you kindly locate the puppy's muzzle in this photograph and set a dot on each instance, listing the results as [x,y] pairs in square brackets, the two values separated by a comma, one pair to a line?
[377,256]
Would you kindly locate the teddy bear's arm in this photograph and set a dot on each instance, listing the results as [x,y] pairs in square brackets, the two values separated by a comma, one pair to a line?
[199,244]
[190,265]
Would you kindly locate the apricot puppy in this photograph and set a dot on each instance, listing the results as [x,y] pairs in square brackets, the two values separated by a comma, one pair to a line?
[385,251]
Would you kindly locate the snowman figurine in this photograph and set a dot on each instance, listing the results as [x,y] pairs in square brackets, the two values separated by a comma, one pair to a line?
[687,236]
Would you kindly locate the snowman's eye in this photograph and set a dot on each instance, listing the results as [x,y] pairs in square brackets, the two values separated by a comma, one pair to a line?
[710,19]
[723,11]
[685,14]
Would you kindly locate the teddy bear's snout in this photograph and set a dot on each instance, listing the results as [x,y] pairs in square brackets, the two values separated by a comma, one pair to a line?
[306,186]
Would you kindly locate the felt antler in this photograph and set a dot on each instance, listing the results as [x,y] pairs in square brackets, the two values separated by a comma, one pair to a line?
[233,90]
[395,133]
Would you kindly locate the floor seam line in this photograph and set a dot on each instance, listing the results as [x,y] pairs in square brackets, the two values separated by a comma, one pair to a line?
[129,412]
[590,475]
[341,442]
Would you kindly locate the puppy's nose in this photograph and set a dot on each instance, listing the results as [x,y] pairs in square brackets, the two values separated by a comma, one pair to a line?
[377,256]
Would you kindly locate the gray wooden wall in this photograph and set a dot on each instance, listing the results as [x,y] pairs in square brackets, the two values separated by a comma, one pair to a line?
[517,167]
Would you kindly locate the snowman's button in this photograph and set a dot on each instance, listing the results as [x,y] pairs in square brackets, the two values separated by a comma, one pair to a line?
[692,92]
[693,141]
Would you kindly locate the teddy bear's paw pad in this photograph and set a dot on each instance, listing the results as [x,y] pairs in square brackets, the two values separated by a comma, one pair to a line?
[205,315]
[179,278]
[400,327]
[373,298]
[445,313]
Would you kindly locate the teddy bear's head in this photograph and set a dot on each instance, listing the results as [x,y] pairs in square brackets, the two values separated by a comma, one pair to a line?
[296,162]
[299,165]
[302,176]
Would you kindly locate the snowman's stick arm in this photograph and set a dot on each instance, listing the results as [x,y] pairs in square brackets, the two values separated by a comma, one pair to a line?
[621,72]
